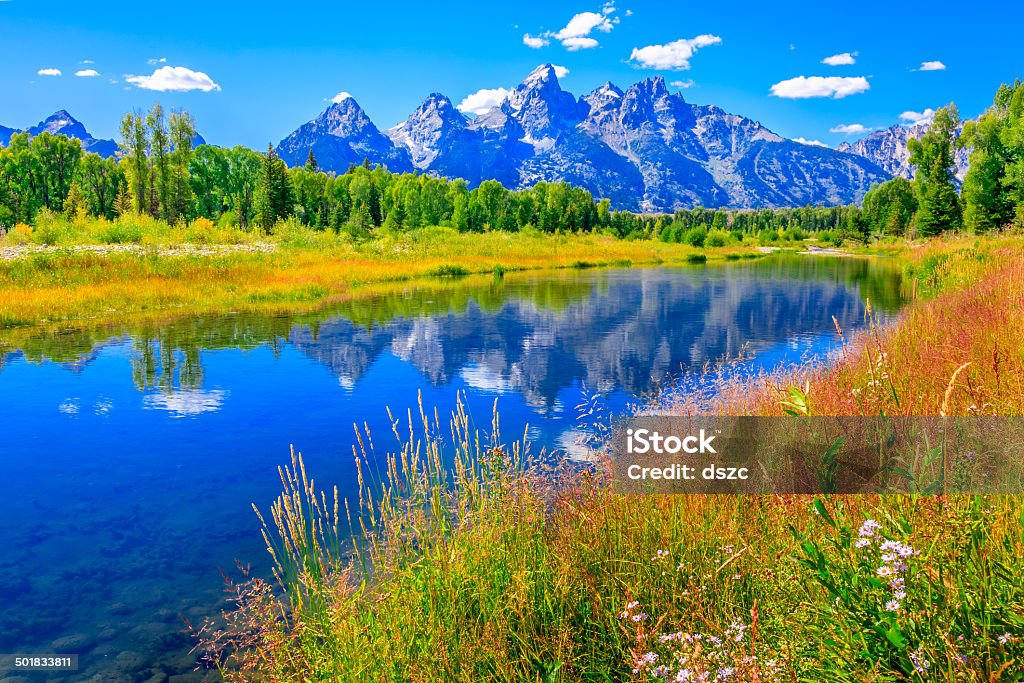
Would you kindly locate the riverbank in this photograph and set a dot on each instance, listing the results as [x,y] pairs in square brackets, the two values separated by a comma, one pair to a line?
[512,572]
[302,270]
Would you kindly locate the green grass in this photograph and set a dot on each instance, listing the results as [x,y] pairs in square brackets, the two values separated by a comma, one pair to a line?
[471,561]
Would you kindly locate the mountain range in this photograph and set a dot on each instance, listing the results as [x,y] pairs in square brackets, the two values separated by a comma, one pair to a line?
[645,148]
[888,149]
[63,123]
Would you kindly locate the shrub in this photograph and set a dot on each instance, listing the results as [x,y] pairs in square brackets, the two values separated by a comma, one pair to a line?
[695,237]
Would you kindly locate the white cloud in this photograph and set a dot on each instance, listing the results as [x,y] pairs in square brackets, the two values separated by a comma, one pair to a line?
[341,97]
[913,117]
[812,143]
[584,23]
[156,60]
[483,100]
[560,71]
[174,79]
[536,42]
[836,87]
[843,59]
[672,56]
[932,66]
[576,35]
[87,73]
[850,129]
[87,61]
[186,402]
[49,72]
[682,84]
[574,44]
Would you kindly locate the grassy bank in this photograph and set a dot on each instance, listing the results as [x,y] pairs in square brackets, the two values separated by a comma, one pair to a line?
[185,270]
[475,563]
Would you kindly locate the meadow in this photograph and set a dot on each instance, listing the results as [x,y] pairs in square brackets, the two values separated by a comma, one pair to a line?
[85,270]
[467,557]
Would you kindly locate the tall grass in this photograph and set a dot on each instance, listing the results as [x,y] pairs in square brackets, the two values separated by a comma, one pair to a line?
[472,561]
[98,269]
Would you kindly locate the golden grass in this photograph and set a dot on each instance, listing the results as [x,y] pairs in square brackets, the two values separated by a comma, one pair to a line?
[68,285]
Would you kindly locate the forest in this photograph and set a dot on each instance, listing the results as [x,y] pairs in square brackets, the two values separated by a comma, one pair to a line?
[158,173]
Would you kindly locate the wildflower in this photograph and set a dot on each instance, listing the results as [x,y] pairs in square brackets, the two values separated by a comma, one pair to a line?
[862,542]
[885,571]
[869,528]
[725,673]
[638,617]
[921,665]
[892,606]
[1005,638]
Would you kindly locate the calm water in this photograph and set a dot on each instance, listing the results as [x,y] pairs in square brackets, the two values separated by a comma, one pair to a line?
[131,456]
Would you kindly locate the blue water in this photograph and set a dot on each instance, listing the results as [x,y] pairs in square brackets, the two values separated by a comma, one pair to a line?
[131,456]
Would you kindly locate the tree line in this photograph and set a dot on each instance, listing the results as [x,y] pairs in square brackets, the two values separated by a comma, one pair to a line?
[992,195]
[158,173]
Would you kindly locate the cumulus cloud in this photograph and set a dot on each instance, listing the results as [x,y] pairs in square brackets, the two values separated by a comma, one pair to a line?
[186,403]
[577,33]
[156,60]
[674,56]
[835,87]
[842,59]
[173,79]
[932,66]
[536,42]
[560,71]
[585,22]
[912,117]
[49,72]
[574,44]
[341,97]
[87,73]
[812,143]
[483,100]
[850,129]
[688,83]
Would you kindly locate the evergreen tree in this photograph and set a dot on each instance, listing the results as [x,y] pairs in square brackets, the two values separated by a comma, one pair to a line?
[311,163]
[273,201]
[938,202]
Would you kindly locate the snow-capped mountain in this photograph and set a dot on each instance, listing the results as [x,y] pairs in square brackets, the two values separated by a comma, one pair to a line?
[888,149]
[644,148]
[63,123]
[342,135]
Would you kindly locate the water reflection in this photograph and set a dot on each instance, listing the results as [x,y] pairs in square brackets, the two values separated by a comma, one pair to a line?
[132,454]
[534,334]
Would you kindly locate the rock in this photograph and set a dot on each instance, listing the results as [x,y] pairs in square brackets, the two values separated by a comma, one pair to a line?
[130,661]
[75,644]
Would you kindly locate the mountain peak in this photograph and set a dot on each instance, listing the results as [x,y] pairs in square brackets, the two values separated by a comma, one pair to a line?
[542,74]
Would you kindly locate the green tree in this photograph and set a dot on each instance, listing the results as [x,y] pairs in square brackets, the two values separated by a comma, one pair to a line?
[135,152]
[182,133]
[938,202]
[101,181]
[273,200]
[160,153]
[889,207]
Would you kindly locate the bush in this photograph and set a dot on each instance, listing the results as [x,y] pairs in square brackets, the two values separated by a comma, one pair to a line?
[696,237]
[717,238]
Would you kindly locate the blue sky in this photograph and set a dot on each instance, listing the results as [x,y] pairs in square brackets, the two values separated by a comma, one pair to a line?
[258,70]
